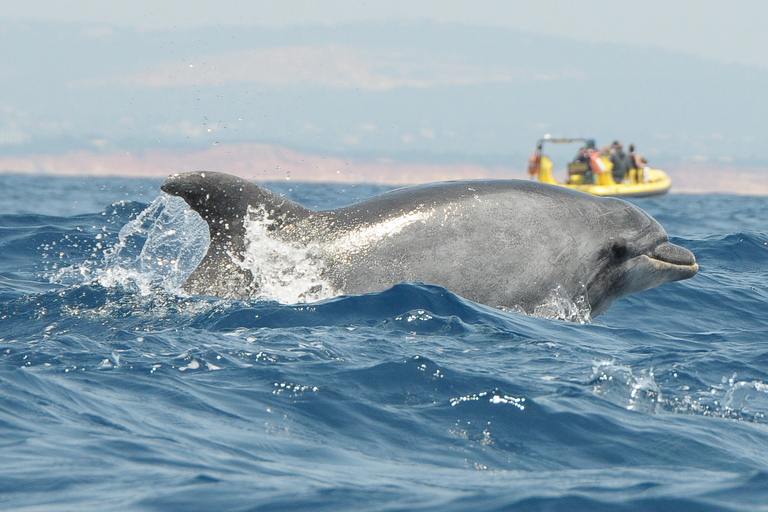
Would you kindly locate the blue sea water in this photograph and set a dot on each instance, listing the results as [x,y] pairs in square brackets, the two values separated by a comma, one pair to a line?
[117,393]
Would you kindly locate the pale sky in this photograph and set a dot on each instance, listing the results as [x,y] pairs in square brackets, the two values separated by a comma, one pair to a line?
[729,32]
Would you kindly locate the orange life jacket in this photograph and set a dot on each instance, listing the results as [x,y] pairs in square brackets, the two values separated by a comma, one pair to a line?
[596,163]
[533,164]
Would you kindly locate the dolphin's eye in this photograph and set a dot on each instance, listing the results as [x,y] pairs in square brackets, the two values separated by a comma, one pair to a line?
[619,251]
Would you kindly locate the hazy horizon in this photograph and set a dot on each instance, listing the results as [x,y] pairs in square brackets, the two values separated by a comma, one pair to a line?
[433,86]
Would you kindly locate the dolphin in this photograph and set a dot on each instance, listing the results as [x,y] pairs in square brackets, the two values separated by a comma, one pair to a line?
[503,243]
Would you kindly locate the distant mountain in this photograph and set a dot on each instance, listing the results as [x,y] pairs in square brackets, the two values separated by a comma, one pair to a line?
[410,91]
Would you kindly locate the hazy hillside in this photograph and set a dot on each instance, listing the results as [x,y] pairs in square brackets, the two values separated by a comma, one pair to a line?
[413,91]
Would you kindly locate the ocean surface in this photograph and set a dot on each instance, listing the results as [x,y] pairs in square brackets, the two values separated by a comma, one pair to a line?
[120,392]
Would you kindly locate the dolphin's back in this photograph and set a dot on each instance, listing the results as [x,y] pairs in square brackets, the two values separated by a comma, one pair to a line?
[498,229]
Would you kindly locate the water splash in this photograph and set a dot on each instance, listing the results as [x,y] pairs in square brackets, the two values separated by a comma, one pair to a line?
[559,306]
[157,249]
[288,272]
[619,384]
[494,397]
[732,399]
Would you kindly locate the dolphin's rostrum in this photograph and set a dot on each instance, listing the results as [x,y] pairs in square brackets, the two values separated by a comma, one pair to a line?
[503,243]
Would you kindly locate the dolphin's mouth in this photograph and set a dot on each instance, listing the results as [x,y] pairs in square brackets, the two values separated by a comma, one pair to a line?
[675,258]
[666,263]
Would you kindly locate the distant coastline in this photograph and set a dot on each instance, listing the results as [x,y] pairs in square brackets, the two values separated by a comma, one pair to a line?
[263,162]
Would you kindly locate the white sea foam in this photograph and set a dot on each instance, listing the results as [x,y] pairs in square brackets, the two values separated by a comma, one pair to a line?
[559,306]
[288,272]
[292,272]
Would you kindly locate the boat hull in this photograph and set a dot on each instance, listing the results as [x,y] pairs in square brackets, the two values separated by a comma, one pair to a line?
[657,184]
[654,182]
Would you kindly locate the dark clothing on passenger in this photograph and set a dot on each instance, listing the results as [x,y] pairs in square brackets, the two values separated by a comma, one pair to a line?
[582,158]
[621,164]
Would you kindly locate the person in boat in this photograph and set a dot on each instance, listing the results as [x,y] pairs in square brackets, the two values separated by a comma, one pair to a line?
[632,164]
[638,165]
[620,160]
[581,166]
[642,167]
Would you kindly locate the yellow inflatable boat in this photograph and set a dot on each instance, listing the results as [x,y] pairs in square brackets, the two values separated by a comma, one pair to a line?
[591,172]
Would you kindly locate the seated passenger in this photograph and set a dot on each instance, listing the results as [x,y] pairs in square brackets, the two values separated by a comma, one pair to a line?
[579,171]
[642,166]
[637,166]
[620,160]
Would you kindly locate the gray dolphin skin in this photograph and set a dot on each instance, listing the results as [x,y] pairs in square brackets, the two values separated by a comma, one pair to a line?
[502,243]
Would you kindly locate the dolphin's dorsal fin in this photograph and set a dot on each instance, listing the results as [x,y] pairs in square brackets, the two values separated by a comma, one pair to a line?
[222,201]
